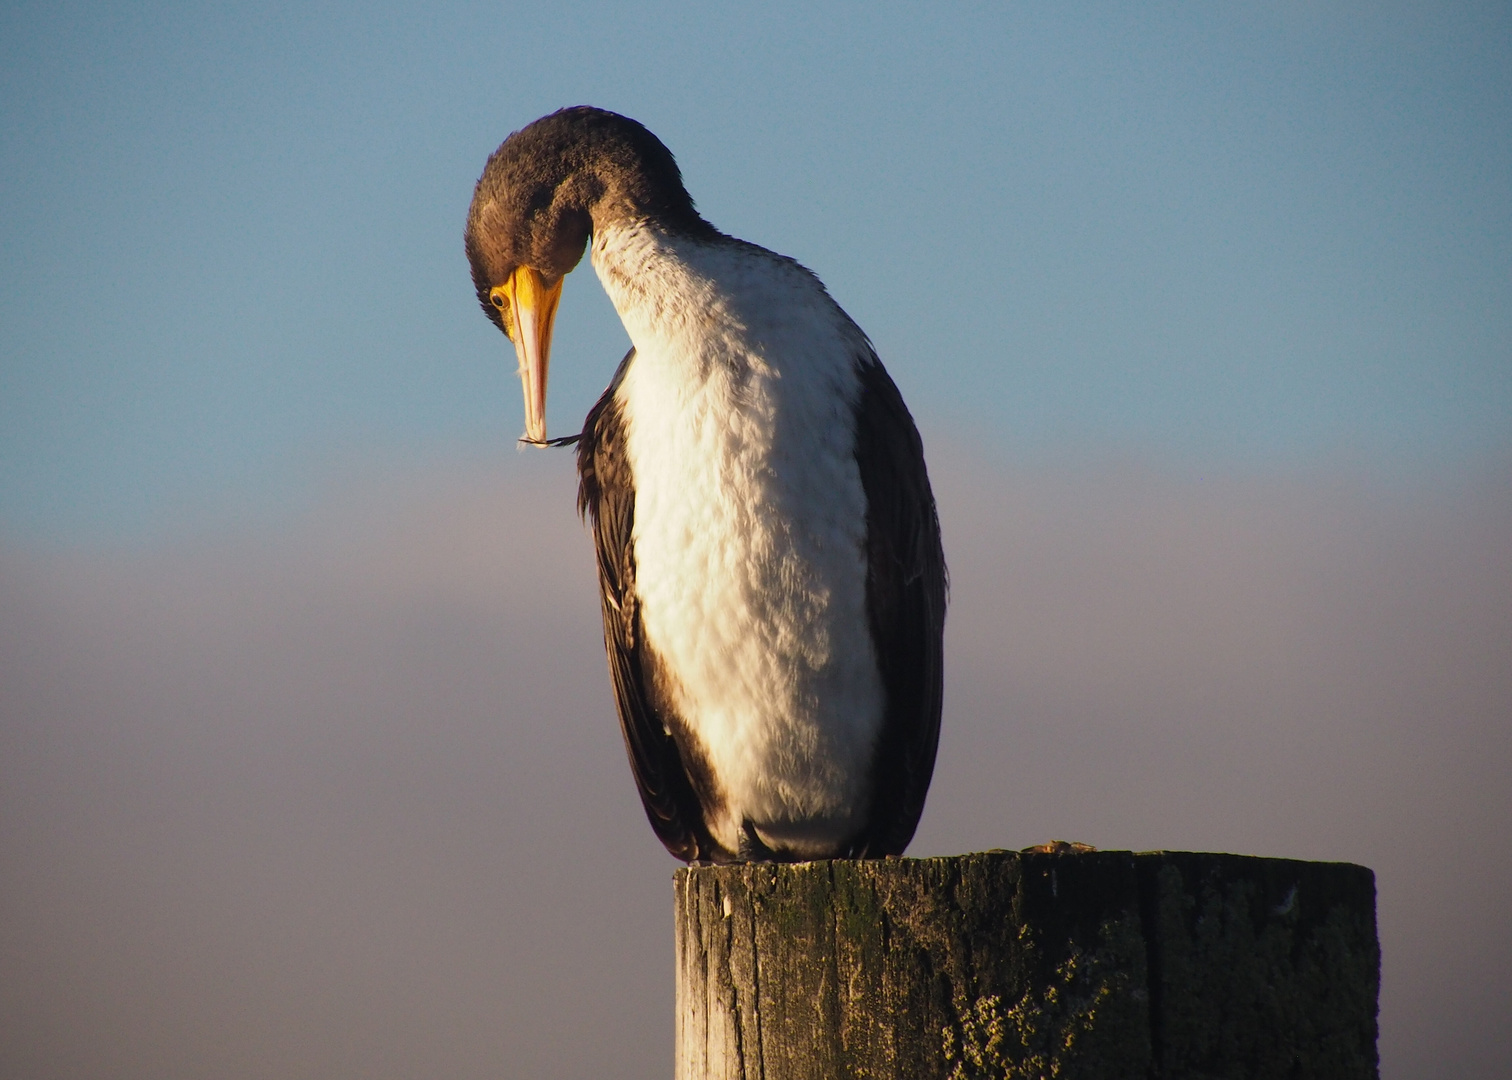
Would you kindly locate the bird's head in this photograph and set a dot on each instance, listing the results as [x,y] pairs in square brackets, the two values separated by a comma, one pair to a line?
[542,194]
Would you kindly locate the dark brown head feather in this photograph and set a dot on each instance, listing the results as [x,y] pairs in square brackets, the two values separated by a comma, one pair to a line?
[553,182]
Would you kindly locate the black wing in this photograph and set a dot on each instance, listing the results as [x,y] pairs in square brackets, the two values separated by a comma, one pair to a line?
[606,497]
[906,589]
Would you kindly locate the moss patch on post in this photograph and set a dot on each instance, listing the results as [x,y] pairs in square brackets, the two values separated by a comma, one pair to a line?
[1090,1019]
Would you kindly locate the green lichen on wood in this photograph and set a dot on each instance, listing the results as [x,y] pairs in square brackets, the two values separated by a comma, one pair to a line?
[1089,1020]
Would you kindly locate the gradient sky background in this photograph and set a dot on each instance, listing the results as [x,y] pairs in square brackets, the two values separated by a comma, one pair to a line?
[308,762]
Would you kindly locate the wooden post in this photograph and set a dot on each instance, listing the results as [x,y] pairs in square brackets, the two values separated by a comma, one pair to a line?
[1026,964]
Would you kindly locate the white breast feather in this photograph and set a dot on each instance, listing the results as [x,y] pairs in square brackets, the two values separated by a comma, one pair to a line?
[750,524]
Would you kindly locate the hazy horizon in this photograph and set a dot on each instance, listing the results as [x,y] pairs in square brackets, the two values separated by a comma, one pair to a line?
[346,797]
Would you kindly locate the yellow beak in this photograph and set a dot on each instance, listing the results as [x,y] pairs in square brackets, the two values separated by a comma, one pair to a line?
[528,306]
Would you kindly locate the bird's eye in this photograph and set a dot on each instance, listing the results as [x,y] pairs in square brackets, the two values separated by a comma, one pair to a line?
[497,299]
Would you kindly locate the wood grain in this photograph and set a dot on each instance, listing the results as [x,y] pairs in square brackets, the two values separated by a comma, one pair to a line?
[1010,964]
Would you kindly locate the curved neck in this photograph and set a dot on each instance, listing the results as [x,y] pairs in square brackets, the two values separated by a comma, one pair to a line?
[623,194]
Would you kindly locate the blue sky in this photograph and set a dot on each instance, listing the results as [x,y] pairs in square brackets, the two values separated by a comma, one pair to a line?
[1227,238]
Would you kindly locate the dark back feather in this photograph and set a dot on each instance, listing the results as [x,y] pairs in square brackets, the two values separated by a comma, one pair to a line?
[906,593]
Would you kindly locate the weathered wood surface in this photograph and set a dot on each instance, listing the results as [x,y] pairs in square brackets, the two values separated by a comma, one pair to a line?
[1008,965]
